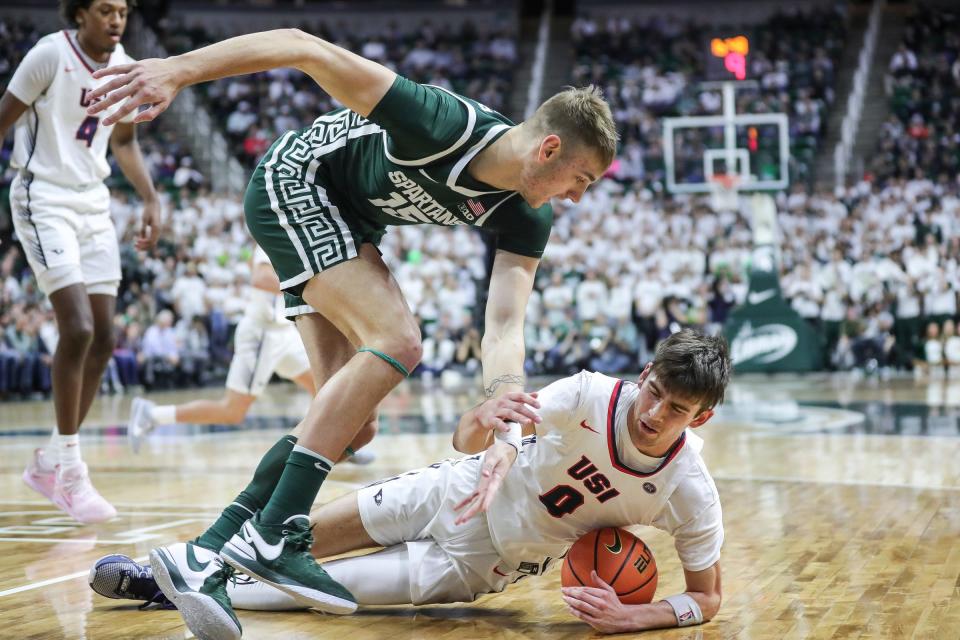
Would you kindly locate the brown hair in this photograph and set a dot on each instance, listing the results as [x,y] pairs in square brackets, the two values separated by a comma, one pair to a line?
[582,116]
[694,365]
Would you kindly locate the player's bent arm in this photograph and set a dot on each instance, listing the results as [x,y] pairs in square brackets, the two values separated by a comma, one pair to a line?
[600,607]
[354,81]
[501,347]
[11,108]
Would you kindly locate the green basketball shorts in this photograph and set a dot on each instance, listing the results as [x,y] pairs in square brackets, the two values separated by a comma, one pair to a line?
[295,223]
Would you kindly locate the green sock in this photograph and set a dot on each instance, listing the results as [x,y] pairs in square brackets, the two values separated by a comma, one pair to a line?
[298,486]
[251,499]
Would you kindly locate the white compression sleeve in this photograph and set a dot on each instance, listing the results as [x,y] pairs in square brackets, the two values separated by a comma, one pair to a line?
[382,577]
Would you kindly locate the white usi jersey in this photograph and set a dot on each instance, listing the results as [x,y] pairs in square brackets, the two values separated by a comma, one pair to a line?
[571,479]
[265,308]
[55,139]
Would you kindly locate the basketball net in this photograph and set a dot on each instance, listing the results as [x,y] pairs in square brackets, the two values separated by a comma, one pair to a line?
[724,191]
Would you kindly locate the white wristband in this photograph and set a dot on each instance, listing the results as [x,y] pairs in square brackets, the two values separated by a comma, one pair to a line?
[513,437]
[686,609]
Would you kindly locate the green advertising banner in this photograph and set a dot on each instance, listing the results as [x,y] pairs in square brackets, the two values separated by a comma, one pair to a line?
[765,333]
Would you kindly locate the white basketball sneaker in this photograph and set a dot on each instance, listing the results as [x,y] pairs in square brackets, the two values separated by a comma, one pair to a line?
[75,494]
[195,580]
[140,422]
[38,477]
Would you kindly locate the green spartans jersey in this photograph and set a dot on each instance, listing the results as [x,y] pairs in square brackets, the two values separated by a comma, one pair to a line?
[322,191]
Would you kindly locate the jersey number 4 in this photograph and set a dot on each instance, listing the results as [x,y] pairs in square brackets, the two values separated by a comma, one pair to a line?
[88,129]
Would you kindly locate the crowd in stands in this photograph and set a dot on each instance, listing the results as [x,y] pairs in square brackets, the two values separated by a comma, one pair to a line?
[921,138]
[875,271]
[651,68]
[477,61]
[874,268]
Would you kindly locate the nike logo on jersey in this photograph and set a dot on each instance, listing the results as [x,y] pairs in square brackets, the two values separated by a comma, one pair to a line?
[583,423]
[617,546]
[56,251]
[268,551]
[497,571]
[68,69]
[378,497]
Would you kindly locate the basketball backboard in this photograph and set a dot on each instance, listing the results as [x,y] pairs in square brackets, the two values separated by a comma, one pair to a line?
[753,146]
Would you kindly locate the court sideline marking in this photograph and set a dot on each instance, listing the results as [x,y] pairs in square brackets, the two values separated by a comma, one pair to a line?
[50,581]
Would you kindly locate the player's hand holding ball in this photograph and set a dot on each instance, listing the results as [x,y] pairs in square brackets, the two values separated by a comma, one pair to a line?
[622,559]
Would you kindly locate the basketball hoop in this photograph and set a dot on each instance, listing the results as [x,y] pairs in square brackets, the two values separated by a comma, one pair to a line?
[724,191]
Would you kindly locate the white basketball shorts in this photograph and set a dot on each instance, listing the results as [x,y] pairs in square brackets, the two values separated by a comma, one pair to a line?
[258,352]
[67,235]
[448,562]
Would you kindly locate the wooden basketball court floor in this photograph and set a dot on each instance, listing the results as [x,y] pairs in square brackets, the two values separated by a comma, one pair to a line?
[841,505]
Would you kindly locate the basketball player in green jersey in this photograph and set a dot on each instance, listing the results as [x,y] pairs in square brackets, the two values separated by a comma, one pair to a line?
[318,203]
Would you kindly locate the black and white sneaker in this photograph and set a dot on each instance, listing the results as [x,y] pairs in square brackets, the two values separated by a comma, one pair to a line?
[119,577]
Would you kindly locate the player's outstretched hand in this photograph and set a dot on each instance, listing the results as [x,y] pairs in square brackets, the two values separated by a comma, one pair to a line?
[496,464]
[598,606]
[515,406]
[152,82]
[149,226]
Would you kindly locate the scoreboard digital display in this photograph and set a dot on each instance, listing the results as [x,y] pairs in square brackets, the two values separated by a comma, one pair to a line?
[727,58]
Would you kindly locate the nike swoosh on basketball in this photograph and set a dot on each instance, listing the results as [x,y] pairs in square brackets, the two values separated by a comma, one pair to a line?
[617,546]
[268,551]
[757,297]
[583,423]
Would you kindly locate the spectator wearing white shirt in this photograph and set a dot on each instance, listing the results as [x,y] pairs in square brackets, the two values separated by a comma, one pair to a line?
[189,293]
[951,348]
[903,61]
[557,298]
[160,350]
[591,296]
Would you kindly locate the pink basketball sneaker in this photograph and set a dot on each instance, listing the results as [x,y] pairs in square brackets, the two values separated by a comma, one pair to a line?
[37,477]
[75,494]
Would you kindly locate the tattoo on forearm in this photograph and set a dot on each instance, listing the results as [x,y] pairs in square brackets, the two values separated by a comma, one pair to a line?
[507,379]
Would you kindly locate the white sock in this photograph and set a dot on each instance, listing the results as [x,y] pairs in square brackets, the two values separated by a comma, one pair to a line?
[164,414]
[68,451]
[50,452]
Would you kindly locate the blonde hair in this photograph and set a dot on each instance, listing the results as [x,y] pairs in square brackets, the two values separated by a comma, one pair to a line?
[579,115]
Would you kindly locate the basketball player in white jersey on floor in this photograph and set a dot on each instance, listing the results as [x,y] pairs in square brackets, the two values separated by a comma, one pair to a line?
[607,453]
[61,215]
[265,342]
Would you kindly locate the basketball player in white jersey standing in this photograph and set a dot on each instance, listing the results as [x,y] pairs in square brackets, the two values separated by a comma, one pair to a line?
[265,342]
[61,214]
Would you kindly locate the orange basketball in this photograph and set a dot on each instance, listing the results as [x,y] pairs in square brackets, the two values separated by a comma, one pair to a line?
[621,559]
